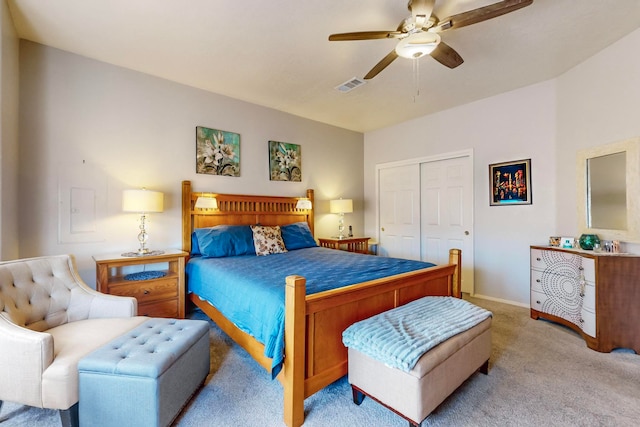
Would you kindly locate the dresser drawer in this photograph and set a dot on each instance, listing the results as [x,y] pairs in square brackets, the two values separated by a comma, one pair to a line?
[146,291]
[589,269]
[536,281]
[537,301]
[589,299]
[562,263]
[588,322]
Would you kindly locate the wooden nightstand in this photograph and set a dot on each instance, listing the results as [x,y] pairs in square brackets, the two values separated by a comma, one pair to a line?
[351,244]
[157,297]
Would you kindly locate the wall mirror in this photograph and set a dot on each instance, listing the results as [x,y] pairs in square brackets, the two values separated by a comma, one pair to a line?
[608,184]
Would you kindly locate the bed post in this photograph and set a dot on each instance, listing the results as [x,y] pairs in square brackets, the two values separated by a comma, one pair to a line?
[455,258]
[294,342]
[186,216]
[310,221]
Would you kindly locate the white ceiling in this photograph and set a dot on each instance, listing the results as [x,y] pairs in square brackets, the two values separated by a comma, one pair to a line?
[275,53]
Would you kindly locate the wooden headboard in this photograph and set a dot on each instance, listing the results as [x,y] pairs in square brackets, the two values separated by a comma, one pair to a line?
[236,209]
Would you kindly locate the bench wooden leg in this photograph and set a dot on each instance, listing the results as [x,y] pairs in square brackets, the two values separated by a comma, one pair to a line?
[69,417]
[358,396]
[485,367]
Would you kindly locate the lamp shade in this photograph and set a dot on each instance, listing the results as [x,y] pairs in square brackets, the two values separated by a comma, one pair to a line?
[142,201]
[206,203]
[303,204]
[341,206]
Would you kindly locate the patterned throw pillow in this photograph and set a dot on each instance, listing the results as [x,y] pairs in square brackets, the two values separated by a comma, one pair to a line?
[268,240]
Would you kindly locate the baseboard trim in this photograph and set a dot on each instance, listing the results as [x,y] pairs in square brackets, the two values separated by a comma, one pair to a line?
[504,301]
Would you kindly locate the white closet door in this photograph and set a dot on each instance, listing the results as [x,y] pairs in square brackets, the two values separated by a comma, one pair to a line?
[446,213]
[399,210]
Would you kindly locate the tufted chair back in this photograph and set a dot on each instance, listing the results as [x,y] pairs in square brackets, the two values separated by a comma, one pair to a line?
[42,293]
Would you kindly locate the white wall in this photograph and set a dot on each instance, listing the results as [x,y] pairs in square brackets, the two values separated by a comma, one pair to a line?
[9,77]
[136,130]
[595,103]
[512,126]
[598,103]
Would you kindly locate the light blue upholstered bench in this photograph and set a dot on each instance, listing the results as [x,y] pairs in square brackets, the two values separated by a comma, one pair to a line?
[145,377]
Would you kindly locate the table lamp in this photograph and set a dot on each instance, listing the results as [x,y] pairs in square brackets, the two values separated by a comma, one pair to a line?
[143,202]
[341,206]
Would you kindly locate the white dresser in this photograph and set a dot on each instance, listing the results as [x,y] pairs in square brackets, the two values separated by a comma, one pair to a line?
[595,294]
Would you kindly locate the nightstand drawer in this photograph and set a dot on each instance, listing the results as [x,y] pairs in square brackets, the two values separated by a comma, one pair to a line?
[150,290]
[167,308]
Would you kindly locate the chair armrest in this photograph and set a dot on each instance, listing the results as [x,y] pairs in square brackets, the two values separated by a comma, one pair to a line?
[25,355]
[104,305]
[92,304]
[100,305]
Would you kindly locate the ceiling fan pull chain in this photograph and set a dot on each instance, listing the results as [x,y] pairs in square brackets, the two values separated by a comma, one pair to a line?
[416,77]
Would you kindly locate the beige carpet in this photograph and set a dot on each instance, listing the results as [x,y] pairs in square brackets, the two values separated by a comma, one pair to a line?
[541,374]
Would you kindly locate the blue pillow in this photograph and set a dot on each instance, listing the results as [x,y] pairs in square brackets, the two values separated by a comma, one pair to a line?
[195,249]
[225,240]
[297,236]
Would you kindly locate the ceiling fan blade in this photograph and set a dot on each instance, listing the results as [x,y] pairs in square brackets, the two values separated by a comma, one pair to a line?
[381,65]
[481,14]
[446,55]
[365,35]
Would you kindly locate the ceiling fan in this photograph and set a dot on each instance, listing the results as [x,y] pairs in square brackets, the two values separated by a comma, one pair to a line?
[419,33]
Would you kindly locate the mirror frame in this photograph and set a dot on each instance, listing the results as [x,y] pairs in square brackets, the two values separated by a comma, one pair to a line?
[632,148]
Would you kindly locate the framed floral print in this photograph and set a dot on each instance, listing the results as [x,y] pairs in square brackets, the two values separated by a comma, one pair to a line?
[217,152]
[285,162]
[510,183]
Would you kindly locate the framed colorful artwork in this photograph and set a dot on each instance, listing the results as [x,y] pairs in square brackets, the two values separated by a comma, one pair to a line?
[217,152]
[285,162]
[510,183]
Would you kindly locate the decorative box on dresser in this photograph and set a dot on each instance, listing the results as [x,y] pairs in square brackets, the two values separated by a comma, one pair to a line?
[157,297]
[596,294]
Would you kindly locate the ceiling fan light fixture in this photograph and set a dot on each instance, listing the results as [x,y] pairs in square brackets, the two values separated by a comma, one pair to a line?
[417,44]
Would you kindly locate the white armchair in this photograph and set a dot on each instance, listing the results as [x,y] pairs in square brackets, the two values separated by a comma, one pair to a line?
[49,320]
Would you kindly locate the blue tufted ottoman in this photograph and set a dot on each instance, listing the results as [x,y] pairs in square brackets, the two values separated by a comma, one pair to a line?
[145,377]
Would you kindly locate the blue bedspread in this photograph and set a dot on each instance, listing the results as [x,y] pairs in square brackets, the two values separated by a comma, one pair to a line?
[249,290]
[399,337]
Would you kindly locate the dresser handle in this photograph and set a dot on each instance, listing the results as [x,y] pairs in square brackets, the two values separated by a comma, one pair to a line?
[538,259]
[538,280]
[537,302]
[146,292]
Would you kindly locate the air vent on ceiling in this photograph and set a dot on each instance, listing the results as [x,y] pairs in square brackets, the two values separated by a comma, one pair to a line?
[350,84]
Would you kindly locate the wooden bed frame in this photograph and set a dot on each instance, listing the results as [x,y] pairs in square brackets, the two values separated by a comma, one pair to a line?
[314,354]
